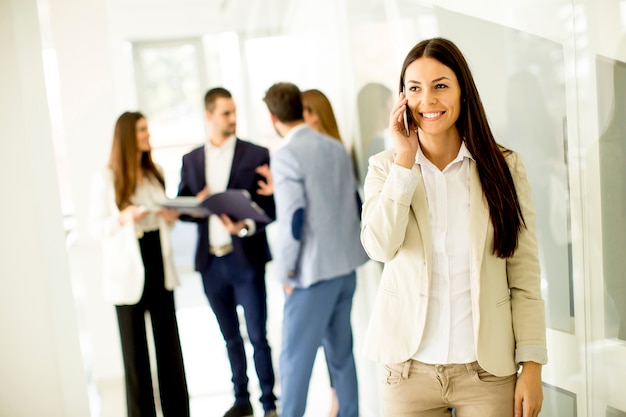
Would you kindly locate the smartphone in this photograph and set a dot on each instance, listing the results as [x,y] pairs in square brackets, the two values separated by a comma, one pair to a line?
[407,118]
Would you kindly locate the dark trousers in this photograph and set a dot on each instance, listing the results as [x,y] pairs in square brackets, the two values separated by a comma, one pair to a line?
[228,283]
[159,302]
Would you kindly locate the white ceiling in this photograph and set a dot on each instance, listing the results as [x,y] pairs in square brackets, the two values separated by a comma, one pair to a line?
[165,19]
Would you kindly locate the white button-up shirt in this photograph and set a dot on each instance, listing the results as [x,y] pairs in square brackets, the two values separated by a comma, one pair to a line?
[449,331]
[218,164]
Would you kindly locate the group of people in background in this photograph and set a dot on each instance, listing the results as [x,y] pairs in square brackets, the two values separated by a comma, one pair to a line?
[458,321]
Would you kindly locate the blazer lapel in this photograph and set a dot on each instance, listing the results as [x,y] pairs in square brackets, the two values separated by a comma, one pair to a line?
[201,167]
[236,162]
[419,205]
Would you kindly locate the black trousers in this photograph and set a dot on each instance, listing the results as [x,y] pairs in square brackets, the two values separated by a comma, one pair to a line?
[159,302]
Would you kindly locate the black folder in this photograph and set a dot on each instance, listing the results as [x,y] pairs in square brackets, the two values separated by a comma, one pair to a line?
[237,204]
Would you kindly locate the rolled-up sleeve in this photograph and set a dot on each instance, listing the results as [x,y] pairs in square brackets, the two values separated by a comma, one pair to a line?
[524,278]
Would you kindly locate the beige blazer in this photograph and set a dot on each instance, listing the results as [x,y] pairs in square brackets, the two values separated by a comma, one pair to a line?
[123,273]
[508,311]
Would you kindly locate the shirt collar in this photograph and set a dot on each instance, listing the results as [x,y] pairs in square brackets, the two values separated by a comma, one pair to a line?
[229,144]
[293,131]
[421,159]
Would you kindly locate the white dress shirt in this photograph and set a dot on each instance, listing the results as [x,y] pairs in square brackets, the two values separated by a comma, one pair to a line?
[218,164]
[449,334]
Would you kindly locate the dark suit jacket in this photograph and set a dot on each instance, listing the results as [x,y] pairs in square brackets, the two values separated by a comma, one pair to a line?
[252,250]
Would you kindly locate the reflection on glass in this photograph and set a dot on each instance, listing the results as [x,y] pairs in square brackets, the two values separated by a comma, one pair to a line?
[613,412]
[612,148]
[374,103]
[535,132]
[558,402]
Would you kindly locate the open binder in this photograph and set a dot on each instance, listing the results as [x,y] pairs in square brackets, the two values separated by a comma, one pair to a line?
[237,204]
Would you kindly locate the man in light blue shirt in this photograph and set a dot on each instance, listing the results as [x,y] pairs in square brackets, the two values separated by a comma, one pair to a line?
[317,249]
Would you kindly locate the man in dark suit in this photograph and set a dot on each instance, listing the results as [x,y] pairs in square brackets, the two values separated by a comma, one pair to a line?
[231,253]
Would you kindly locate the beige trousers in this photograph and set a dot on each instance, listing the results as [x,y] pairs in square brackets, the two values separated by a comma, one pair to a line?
[416,389]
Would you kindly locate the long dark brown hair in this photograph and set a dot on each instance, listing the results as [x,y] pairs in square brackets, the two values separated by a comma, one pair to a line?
[125,159]
[495,177]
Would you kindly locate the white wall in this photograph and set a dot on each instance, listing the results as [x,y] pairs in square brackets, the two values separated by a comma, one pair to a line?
[79,34]
[40,361]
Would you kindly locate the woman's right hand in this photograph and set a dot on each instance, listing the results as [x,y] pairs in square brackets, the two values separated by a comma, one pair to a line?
[406,147]
[132,214]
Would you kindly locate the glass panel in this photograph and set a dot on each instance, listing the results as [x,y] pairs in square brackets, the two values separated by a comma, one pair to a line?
[558,402]
[612,412]
[611,76]
[601,79]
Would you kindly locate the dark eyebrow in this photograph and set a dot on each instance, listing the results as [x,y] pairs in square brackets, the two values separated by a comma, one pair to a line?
[436,80]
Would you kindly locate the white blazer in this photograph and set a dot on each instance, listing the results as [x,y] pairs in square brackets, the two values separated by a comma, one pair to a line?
[122,267]
[508,311]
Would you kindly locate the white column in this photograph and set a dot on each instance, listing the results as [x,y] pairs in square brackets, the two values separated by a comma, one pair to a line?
[40,361]
[81,37]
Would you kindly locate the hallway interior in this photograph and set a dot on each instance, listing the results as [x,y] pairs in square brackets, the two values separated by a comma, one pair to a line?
[206,363]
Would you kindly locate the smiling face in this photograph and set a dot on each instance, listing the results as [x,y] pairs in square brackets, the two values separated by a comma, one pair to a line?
[434,98]
[142,134]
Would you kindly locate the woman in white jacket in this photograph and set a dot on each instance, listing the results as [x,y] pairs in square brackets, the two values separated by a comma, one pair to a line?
[138,271]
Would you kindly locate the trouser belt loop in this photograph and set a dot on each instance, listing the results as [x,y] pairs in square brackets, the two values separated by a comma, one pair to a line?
[471,367]
[405,369]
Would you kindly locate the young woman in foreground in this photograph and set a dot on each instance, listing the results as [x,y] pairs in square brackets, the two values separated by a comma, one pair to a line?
[459,310]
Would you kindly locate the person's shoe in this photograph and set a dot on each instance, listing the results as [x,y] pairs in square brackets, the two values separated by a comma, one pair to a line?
[271,413]
[240,411]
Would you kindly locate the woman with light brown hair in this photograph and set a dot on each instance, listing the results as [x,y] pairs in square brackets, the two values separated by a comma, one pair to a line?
[138,268]
[318,113]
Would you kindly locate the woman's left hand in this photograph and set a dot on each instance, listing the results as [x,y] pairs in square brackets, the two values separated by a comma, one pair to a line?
[528,391]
